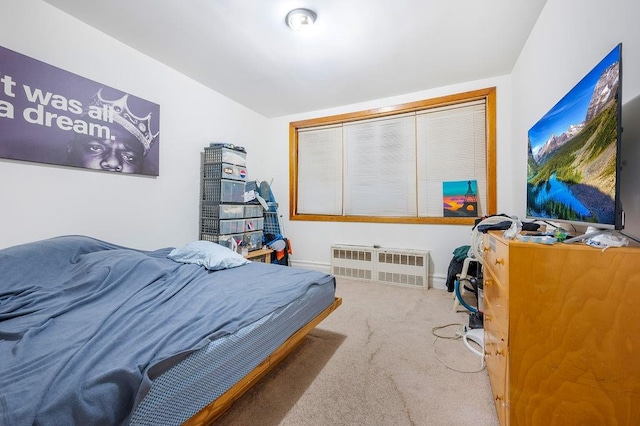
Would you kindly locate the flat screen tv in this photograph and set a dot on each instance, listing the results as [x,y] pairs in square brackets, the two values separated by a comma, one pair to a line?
[574,154]
[630,168]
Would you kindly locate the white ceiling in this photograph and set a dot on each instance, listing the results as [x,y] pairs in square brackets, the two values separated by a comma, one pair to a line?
[360,50]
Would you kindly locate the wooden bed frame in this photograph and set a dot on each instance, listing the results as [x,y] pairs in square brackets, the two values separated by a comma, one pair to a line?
[208,414]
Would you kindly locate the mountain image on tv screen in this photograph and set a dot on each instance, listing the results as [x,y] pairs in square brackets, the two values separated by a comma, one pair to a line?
[572,151]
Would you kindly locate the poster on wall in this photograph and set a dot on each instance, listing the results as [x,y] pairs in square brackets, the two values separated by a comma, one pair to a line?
[459,198]
[49,115]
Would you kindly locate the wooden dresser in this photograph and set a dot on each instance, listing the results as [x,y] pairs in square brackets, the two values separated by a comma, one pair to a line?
[562,332]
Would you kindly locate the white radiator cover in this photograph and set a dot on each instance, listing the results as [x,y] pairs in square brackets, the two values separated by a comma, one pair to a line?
[405,267]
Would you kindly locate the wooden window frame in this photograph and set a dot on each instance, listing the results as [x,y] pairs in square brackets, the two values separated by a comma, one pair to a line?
[488,95]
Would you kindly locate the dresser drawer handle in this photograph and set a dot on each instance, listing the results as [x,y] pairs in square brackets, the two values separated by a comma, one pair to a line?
[499,261]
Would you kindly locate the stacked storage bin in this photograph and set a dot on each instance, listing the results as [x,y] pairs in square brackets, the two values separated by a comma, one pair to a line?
[254,226]
[223,212]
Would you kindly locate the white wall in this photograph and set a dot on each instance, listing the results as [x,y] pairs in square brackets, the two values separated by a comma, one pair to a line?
[570,37]
[312,240]
[40,201]
[44,201]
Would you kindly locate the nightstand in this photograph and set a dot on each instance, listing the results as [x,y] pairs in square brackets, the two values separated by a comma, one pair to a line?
[262,255]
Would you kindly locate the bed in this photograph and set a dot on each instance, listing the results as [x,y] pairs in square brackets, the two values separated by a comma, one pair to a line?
[96,333]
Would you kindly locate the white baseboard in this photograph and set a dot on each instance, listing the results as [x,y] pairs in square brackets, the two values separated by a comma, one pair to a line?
[439,282]
[316,266]
[436,281]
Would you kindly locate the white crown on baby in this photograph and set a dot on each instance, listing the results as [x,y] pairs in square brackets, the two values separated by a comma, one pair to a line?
[140,127]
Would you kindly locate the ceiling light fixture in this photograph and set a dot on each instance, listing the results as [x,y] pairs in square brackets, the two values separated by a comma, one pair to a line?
[301,19]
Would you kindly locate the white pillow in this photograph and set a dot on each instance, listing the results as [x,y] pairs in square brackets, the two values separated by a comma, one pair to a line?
[210,255]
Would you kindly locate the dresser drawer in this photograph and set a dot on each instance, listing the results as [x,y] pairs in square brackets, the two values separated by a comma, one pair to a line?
[495,301]
[496,358]
[496,318]
[496,321]
[496,258]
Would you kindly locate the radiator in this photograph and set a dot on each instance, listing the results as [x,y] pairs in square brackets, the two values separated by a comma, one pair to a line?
[404,267]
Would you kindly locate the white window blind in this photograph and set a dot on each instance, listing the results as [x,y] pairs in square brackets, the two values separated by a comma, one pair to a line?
[320,170]
[380,175]
[451,147]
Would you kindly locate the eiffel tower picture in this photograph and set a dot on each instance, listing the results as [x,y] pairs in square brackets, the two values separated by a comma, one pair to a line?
[470,201]
[460,198]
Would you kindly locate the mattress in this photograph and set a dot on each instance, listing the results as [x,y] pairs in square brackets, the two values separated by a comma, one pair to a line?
[203,376]
[87,327]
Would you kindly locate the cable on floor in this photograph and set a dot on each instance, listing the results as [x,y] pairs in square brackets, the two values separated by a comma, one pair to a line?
[455,336]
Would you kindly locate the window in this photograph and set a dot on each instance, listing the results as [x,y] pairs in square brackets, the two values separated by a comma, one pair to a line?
[397,164]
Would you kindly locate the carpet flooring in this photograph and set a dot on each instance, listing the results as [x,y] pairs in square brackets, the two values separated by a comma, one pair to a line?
[376,361]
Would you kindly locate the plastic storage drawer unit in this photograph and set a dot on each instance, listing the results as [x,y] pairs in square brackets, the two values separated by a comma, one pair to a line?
[253,210]
[225,153]
[254,224]
[223,190]
[224,171]
[251,240]
[224,226]
[215,210]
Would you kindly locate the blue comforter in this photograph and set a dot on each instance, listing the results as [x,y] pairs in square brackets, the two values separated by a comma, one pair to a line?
[85,324]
